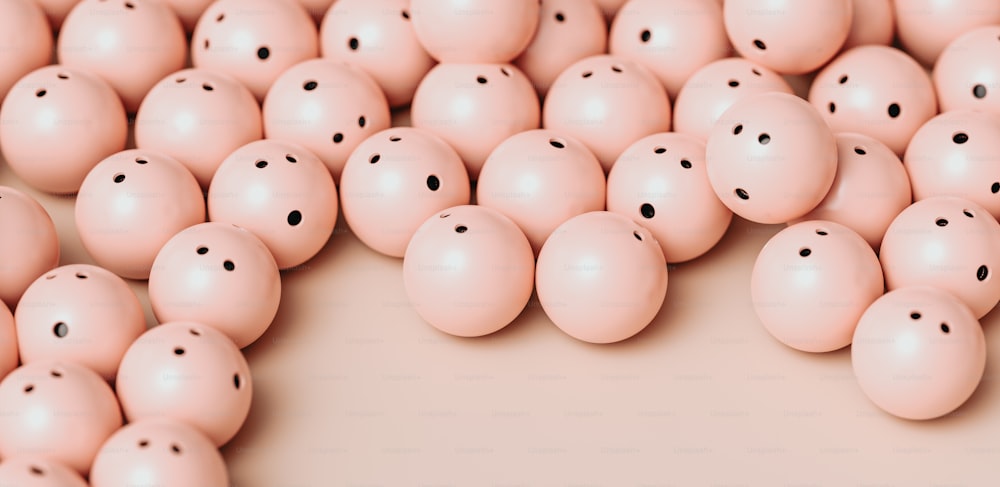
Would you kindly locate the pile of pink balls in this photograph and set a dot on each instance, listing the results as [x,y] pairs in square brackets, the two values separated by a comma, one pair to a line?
[600,141]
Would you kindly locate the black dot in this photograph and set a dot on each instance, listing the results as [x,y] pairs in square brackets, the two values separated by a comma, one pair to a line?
[587,74]
[995,188]
[982,273]
[960,138]
[237,383]
[742,194]
[119,177]
[36,470]
[832,107]
[968,213]
[647,211]
[60,330]
[202,250]
[686,164]
[139,160]
[558,144]
[759,44]
[461,229]
[755,72]
[62,76]
[481,80]
[805,252]
[28,388]
[733,83]
[915,315]
[637,235]
[220,17]
[979,91]
[560,17]
[229,265]
[207,87]
[894,110]
[941,222]
[309,85]
[291,158]
[394,138]
[764,139]
[821,232]
[143,443]
[374,158]
[945,328]
[40,93]
[80,275]
[617,69]
[175,448]
[659,150]
[362,121]
[55,373]
[843,79]
[405,14]
[263,53]
[645,36]
[860,151]
[178,351]
[261,164]
[433,183]
[737,130]
[353,43]
[338,138]
[295,217]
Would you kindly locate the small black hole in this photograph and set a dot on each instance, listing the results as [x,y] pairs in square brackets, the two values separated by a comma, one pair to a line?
[860,151]
[969,213]
[587,74]
[202,250]
[941,222]
[560,17]
[338,138]
[261,164]
[505,72]
[178,351]
[207,87]
[206,44]
[915,315]
[617,69]
[843,79]
[119,177]
[894,110]
[759,44]
[979,91]
[220,17]
[374,158]
[40,93]
[686,164]
[821,232]
[945,328]
[139,160]
[80,275]
[309,85]
[982,273]
[36,470]
[176,449]
[295,217]
[755,71]
[764,139]
[361,121]
[742,194]
[263,53]
[647,210]
[237,383]
[461,229]
[832,107]
[62,76]
[60,330]
[995,188]
[637,235]
[55,373]
[229,265]
[481,80]
[195,332]
[405,14]
[960,138]
[28,388]
[660,150]
[291,158]
[645,36]
[558,144]
[353,43]
[143,443]
[433,183]
[180,80]
[394,139]
[444,215]
[737,130]
[805,252]
[733,83]
[129,5]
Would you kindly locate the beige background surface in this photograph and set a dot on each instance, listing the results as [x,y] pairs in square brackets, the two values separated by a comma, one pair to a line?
[351,388]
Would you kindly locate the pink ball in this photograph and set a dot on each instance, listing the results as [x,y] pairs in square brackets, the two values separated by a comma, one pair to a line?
[872,22]
[474,31]
[378,37]
[946,242]
[870,189]
[539,179]
[671,38]
[316,8]
[327,107]
[57,123]
[568,31]
[397,179]
[190,373]
[770,158]
[967,73]
[57,10]
[79,313]
[711,90]
[188,11]
[468,271]
[131,44]
[220,275]
[607,103]
[788,36]
[925,27]
[661,182]
[253,41]
[811,283]
[956,154]
[129,206]
[37,471]
[29,234]
[474,107]
[158,451]
[918,353]
[8,342]
[27,42]
[877,91]
[198,117]
[280,192]
[59,411]
[601,278]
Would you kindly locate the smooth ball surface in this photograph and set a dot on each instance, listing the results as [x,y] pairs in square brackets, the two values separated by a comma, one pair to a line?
[539,179]
[397,179]
[661,181]
[220,275]
[327,107]
[601,278]
[198,116]
[159,451]
[967,73]
[42,404]
[770,157]
[37,471]
[56,10]
[925,27]
[280,192]
[811,283]
[188,11]
[947,242]
[568,31]
[28,233]
[918,353]
[79,313]
[474,31]
[9,357]
[870,189]
[607,103]
[188,372]
[57,123]
[872,22]
[468,271]
[27,41]
[129,206]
